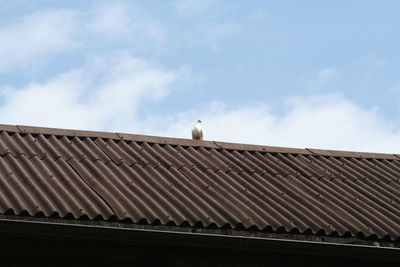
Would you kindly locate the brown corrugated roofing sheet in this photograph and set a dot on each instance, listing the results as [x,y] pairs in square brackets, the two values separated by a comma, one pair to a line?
[114,176]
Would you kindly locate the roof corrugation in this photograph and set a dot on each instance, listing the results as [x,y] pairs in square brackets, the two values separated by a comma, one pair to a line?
[64,173]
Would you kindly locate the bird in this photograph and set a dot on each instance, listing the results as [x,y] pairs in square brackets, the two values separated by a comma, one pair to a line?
[197,132]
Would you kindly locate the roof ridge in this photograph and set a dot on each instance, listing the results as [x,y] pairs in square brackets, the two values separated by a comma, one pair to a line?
[194,143]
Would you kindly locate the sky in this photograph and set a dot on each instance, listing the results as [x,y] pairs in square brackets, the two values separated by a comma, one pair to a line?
[315,74]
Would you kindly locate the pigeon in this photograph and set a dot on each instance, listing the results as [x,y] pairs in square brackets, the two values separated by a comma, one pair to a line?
[197,132]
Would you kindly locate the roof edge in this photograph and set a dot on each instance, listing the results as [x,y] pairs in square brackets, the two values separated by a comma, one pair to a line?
[353,154]
[356,240]
[194,143]
[117,231]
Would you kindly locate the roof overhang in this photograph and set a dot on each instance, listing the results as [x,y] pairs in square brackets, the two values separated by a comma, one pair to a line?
[116,232]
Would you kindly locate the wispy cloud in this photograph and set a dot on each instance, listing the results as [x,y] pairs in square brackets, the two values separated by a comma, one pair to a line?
[206,23]
[323,76]
[125,21]
[103,94]
[196,7]
[373,59]
[35,39]
[110,19]
[259,15]
[36,36]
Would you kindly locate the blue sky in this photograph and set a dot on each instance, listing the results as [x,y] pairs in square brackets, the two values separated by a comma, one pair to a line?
[321,74]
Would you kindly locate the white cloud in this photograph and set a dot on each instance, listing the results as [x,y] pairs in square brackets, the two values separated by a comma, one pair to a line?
[324,121]
[107,93]
[104,94]
[36,36]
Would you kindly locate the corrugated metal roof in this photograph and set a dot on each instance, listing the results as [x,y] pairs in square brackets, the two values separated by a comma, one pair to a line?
[111,176]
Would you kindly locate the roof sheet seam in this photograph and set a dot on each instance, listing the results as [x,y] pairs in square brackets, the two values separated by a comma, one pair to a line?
[93,190]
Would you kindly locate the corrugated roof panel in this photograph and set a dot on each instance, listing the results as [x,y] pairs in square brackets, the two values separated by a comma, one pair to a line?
[47,186]
[113,176]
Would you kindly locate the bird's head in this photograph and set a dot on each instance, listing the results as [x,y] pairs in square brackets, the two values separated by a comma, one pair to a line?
[199,121]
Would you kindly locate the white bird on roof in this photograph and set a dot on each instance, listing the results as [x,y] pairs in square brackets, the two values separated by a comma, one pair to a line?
[197,131]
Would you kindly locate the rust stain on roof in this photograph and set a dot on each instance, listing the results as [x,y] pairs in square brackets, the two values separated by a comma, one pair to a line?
[116,176]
